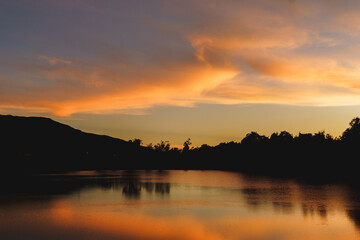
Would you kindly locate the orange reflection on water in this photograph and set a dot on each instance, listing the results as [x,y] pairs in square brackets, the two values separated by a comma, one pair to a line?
[180,205]
[139,225]
[136,226]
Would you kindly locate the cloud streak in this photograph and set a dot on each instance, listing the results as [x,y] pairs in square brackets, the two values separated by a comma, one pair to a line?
[54,60]
[184,53]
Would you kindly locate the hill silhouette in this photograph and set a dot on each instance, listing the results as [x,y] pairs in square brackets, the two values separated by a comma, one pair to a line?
[36,144]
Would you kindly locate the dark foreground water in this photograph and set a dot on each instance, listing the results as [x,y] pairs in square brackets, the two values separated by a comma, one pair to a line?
[209,205]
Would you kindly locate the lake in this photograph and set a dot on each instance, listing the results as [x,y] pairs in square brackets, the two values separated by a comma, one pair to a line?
[179,205]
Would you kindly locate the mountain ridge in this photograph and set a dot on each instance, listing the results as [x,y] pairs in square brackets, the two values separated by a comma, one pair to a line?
[43,141]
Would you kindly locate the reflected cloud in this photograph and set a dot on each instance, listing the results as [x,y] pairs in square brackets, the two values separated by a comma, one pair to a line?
[135,226]
[199,205]
[140,226]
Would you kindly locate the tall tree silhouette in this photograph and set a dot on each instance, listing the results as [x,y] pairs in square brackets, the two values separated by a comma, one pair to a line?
[352,134]
[186,145]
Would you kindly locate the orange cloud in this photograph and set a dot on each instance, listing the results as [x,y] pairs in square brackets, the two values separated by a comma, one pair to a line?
[102,89]
[292,52]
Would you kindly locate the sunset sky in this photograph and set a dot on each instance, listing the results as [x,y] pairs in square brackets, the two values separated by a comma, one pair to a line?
[211,70]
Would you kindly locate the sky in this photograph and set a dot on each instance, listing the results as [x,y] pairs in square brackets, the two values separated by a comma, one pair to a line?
[211,70]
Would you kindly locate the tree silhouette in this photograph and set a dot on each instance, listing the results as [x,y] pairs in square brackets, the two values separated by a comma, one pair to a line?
[163,146]
[254,138]
[136,141]
[186,145]
[283,137]
[352,134]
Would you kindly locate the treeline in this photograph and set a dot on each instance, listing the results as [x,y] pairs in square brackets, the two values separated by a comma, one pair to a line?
[350,136]
[29,145]
[305,155]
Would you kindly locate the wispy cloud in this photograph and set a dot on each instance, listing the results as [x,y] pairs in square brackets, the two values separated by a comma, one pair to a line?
[54,60]
[184,53]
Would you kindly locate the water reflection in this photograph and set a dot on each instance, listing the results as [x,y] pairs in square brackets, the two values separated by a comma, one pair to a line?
[354,214]
[176,205]
[132,188]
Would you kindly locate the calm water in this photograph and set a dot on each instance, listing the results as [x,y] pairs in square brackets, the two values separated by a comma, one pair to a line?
[211,205]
